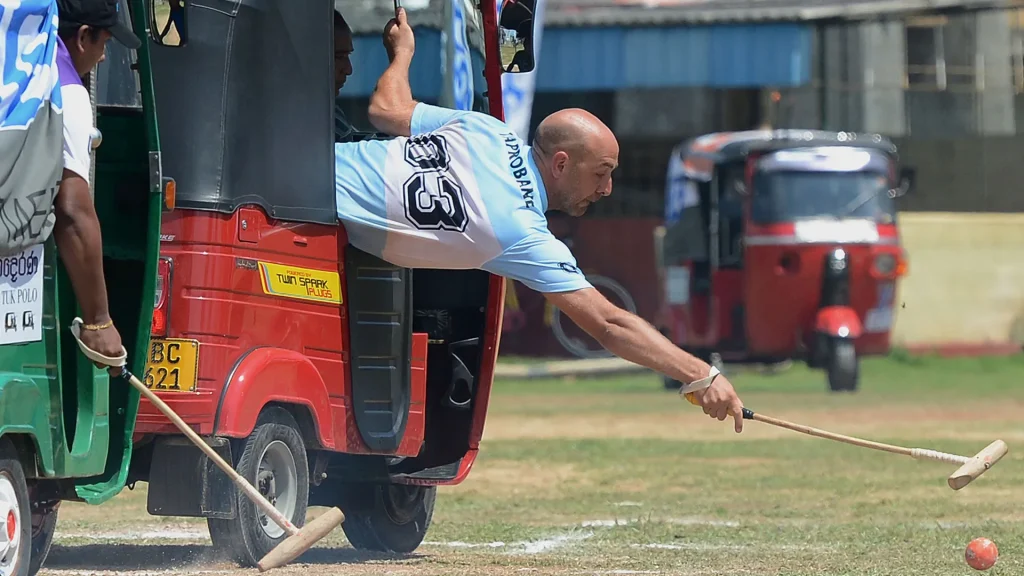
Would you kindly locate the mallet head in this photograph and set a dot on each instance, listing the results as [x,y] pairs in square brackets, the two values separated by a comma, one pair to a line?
[293,546]
[977,465]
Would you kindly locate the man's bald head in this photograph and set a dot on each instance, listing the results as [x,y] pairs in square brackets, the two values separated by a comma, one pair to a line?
[572,129]
[576,153]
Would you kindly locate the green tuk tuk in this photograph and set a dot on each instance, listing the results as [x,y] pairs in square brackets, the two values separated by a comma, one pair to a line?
[66,426]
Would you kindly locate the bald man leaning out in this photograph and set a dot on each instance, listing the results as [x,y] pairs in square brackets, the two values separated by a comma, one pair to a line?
[460,190]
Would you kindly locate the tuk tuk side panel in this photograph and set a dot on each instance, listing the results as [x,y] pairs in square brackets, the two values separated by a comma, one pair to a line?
[128,169]
[31,395]
[217,296]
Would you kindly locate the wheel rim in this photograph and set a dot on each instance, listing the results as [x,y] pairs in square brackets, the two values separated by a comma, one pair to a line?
[277,479]
[10,535]
[401,502]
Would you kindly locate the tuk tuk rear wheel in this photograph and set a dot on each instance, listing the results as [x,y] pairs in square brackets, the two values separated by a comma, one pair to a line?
[388,517]
[16,536]
[44,526]
[273,460]
[843,369]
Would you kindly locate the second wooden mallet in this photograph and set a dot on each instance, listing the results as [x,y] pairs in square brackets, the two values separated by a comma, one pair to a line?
[298,541]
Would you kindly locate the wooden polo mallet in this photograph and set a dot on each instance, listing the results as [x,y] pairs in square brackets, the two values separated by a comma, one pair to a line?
[298,541]
[970,467]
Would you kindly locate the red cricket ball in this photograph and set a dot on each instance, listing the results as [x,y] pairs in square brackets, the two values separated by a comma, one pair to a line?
[981,554]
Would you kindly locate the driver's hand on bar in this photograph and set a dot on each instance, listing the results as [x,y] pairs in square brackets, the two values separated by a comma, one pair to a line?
[106,341]
[398,36]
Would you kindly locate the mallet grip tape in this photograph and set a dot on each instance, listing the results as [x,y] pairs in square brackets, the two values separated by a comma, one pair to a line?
[924,454]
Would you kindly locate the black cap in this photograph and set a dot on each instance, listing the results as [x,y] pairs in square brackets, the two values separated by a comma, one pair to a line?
[104,14]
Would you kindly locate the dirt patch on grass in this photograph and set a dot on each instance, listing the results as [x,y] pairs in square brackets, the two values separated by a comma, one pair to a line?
[511,477]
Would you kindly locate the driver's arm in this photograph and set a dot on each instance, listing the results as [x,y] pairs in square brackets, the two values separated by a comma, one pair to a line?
[392,104]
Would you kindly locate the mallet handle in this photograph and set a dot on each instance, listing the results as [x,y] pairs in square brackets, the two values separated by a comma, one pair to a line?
[917,453]
[749,414]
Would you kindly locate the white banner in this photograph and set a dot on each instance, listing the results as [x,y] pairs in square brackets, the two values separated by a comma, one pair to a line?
[456,61]
[517,89]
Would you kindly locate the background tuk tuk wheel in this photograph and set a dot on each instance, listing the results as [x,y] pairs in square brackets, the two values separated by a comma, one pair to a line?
[273,459]
[16,538]
[842,366]
[586,346]
[44,526]
[388,517]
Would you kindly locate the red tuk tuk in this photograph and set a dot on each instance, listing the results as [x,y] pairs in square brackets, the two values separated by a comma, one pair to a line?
[782,245]
[327,376]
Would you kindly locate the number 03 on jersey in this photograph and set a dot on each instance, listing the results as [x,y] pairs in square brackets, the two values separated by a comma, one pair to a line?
[172,365]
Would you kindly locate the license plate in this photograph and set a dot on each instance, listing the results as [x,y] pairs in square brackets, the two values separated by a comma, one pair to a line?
[172,366]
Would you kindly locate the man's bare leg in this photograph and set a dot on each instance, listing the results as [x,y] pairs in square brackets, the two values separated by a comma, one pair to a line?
[77,234]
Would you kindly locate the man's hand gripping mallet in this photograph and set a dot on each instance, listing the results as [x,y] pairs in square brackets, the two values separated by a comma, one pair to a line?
[970,467]
[298,541]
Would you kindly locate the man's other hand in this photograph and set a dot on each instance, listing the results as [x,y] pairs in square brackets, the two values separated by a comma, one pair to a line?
[106,341]
[720,401]
[398,36]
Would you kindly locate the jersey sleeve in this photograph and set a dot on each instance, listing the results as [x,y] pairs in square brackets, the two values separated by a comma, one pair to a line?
[426,117]
[541,262]
[77,129]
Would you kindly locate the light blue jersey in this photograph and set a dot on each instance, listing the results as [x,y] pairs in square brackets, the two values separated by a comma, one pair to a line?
[462,193]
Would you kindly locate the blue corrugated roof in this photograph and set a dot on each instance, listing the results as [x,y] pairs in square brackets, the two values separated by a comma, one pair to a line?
[574,59]
[673,12]
[612,58]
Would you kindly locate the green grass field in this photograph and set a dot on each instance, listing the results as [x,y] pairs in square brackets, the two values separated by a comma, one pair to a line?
[618,476]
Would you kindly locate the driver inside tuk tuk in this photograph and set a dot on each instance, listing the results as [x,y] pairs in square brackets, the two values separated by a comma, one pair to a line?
[343,48]
[460,190]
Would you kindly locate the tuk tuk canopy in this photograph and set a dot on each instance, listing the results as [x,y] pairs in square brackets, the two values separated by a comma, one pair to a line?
[245,108]
[713,164]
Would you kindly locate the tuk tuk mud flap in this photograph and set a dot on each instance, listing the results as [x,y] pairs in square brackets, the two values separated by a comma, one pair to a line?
[879,318]
[184,482]
[21,296]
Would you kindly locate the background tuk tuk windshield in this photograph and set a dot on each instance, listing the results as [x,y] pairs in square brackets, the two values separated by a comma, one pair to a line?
[790,195]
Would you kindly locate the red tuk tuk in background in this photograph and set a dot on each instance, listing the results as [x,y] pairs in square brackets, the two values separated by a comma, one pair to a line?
[325,375]
[782,245]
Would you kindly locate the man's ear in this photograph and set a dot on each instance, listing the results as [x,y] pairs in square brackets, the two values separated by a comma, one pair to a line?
[79,38]
[559,162]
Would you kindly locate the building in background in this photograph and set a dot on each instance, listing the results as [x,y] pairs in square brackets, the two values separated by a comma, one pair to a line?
[946,85]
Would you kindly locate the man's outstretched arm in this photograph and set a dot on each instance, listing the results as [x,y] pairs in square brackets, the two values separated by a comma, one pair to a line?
[632,338]
[392,104]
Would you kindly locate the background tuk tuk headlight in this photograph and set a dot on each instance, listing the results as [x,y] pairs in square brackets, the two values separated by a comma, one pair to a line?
[885,264]
[838,260]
